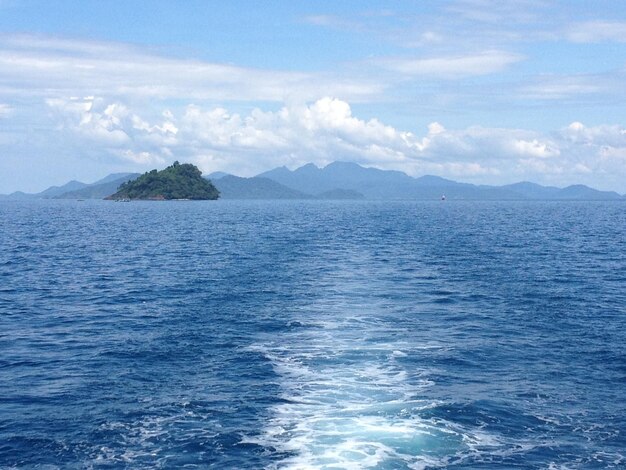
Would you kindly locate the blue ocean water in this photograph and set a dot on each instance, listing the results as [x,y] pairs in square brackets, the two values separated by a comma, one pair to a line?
[312,335]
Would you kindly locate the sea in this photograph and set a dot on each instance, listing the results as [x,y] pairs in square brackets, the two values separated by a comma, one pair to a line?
[312,335]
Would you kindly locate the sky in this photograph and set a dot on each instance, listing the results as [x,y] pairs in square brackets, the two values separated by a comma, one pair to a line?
[480,91]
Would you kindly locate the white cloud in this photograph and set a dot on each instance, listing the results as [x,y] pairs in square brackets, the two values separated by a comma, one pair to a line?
[106,127]
[603,135]
[427,38]
[582,168]
[576,126]
[335,22]
[613,156]
[538,167]
[141,158]
[58,67]
[488,11]
[597,31]
[563,87]
[460,169]
[454,66]
[435,128]
[535,148]
[5,110]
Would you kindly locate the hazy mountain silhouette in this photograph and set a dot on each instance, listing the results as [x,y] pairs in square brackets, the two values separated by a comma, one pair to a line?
[258,187]
[383,184]
[54,191]
[77,190]
[340,180]
[371,182]
[216,175]
[101,188]
[337,194]
[235,187]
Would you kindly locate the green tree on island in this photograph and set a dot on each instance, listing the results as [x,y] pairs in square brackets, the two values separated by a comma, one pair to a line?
[178,181]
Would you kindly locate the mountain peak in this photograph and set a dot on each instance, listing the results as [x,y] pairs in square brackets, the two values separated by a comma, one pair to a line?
[216,175]
[308,168]
[115,177]
[342,164]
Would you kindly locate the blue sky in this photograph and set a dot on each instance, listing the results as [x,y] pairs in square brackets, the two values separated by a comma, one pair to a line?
[474,90]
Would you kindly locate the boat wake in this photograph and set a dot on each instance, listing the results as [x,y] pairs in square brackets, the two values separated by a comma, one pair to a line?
[352,401]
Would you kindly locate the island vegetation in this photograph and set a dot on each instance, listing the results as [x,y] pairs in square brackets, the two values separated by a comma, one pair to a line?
[178,181]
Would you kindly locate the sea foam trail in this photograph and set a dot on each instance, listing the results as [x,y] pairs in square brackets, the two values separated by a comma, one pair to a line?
[348,402]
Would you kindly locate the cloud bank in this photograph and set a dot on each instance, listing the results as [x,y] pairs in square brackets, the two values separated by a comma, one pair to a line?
[326,130]
[45,66]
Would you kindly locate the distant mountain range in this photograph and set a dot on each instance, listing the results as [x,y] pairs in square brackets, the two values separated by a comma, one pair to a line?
[77,190]
[339,180]
[344,180]
[259,187]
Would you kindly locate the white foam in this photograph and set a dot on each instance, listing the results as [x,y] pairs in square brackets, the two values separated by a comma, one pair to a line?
[349,403]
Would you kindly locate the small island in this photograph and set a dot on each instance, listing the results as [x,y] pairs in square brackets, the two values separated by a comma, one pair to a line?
[178,181]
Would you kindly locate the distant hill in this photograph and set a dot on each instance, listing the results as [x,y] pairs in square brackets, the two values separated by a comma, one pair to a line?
[235,187]
[17,195]
[216,175]
[527,190]
[178,181]
[582,192]
[77,190]
[340,194]
[54,191]
[100,189]
[371,182]
[51,192]
[575,192]
[116,177]
[382,184]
